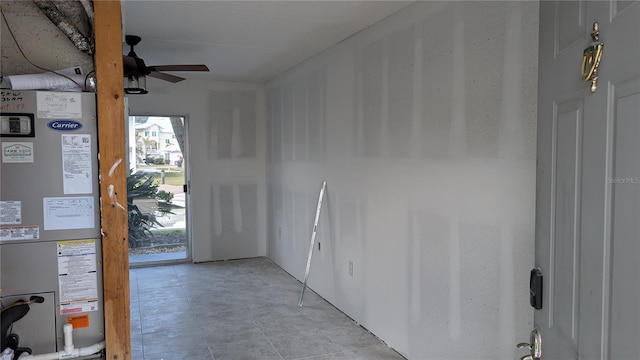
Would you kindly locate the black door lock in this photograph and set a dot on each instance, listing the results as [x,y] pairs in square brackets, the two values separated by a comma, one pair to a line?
[535,288]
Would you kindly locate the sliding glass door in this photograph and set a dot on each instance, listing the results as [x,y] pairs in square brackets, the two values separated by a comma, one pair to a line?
[156,197]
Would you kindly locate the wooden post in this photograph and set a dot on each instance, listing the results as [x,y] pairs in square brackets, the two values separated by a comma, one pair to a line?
[113,172]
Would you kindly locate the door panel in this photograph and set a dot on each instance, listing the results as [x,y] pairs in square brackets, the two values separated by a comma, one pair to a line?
[619,6]
[566,222]
[572,27]
[588,183]
[625,292]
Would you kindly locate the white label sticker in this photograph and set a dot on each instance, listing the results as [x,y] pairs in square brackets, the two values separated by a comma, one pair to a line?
[59,105]
[77,276]
[10,212]
[76,164]
[17,152]
[61,213]
[9,233]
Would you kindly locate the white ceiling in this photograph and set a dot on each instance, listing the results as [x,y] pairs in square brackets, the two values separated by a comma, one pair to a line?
[251,41]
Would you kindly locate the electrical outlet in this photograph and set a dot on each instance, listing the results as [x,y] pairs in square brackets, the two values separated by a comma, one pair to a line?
[350,268]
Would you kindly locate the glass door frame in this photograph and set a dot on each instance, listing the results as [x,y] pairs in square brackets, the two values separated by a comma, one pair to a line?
[186,170]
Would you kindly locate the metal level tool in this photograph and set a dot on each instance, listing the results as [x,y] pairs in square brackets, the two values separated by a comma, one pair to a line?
[313,239]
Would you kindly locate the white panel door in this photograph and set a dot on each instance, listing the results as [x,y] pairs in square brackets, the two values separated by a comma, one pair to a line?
[588,183]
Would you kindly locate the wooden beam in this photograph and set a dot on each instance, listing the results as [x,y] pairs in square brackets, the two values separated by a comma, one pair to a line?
[113,173]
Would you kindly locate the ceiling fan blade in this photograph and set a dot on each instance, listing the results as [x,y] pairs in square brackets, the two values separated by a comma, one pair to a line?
[166,77]
[179,68]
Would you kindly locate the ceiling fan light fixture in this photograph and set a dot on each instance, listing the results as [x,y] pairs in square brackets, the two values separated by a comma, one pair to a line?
[135,70]
[135,84]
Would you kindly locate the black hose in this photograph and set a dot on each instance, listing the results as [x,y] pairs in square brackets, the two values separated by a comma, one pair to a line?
[8,317]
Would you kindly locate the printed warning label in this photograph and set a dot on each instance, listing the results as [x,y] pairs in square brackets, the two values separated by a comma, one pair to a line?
[10,233]
[77,276]
[79,321]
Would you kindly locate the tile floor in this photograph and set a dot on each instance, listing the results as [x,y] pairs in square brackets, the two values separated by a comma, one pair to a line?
[237,310]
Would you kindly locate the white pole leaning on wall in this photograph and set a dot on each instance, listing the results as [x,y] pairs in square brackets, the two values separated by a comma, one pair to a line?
[313,239]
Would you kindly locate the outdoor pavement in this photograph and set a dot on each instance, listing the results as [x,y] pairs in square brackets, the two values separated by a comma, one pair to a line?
[178,195]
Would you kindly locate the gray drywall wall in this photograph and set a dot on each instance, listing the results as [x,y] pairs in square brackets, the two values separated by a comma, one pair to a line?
[226,161]
[423,126]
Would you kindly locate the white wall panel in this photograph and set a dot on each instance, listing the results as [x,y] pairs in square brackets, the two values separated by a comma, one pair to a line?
[428,120]
[227,157]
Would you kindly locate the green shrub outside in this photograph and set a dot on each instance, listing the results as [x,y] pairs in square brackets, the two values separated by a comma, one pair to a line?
[165,196]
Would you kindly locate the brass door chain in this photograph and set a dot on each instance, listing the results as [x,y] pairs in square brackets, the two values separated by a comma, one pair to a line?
[591,59]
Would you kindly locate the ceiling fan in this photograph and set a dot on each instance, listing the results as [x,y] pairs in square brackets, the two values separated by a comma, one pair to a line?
[135,69]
